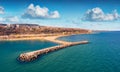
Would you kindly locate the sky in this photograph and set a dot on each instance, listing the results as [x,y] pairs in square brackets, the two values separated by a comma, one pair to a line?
[86,14]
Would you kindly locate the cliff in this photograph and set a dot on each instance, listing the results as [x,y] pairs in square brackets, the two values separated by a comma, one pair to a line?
[13,29]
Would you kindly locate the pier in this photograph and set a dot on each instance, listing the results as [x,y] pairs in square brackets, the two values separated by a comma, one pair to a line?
[30,56]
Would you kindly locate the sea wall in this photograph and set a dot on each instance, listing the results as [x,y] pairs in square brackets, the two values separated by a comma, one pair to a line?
[29,56]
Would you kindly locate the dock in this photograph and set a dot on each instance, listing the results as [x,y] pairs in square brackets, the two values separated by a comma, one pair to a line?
[30,56]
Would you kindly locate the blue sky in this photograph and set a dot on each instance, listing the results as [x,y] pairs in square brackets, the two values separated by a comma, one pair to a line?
[88,14]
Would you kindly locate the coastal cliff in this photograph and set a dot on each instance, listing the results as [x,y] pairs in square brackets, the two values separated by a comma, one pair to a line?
[19,29]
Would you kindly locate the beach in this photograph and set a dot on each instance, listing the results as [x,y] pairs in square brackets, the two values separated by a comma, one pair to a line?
[49,37]
[29,37]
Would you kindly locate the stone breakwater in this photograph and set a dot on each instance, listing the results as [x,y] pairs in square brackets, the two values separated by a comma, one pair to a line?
[30,56]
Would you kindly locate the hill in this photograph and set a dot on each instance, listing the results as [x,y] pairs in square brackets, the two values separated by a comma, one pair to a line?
[13,29]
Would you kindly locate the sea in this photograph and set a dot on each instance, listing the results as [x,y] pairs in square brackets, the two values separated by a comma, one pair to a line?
[101,54]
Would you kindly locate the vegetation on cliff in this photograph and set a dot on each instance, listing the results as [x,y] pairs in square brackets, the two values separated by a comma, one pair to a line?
[8,29]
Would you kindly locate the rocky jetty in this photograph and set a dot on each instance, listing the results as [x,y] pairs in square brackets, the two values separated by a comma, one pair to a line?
[30,56]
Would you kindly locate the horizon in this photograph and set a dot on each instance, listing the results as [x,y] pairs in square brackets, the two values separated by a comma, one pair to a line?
[93,15]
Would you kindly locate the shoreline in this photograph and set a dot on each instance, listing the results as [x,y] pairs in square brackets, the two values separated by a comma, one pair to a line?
[29,56]
[34,37]
[47,38]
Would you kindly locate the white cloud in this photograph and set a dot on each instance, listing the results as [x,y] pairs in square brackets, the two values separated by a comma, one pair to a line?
[37,12]
[11,19]
[2,19]
[1,10]
[97,14]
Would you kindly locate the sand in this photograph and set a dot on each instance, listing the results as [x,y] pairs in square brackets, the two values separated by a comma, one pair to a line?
[51,38]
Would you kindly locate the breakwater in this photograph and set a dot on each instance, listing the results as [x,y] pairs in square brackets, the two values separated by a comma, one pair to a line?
[29,56]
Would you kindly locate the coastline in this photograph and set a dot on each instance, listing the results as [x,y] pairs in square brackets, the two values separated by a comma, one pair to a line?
[48,37]
[42,38]
[30,56]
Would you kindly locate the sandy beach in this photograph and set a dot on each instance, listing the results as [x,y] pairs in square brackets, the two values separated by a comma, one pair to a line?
[42,37]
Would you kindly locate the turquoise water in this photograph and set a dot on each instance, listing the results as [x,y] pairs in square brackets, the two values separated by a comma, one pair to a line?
[102,54]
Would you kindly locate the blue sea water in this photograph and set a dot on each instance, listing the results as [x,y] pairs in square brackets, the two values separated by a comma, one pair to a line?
[102,54]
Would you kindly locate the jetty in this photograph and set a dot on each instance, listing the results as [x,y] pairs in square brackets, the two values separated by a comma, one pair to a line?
[30,56]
